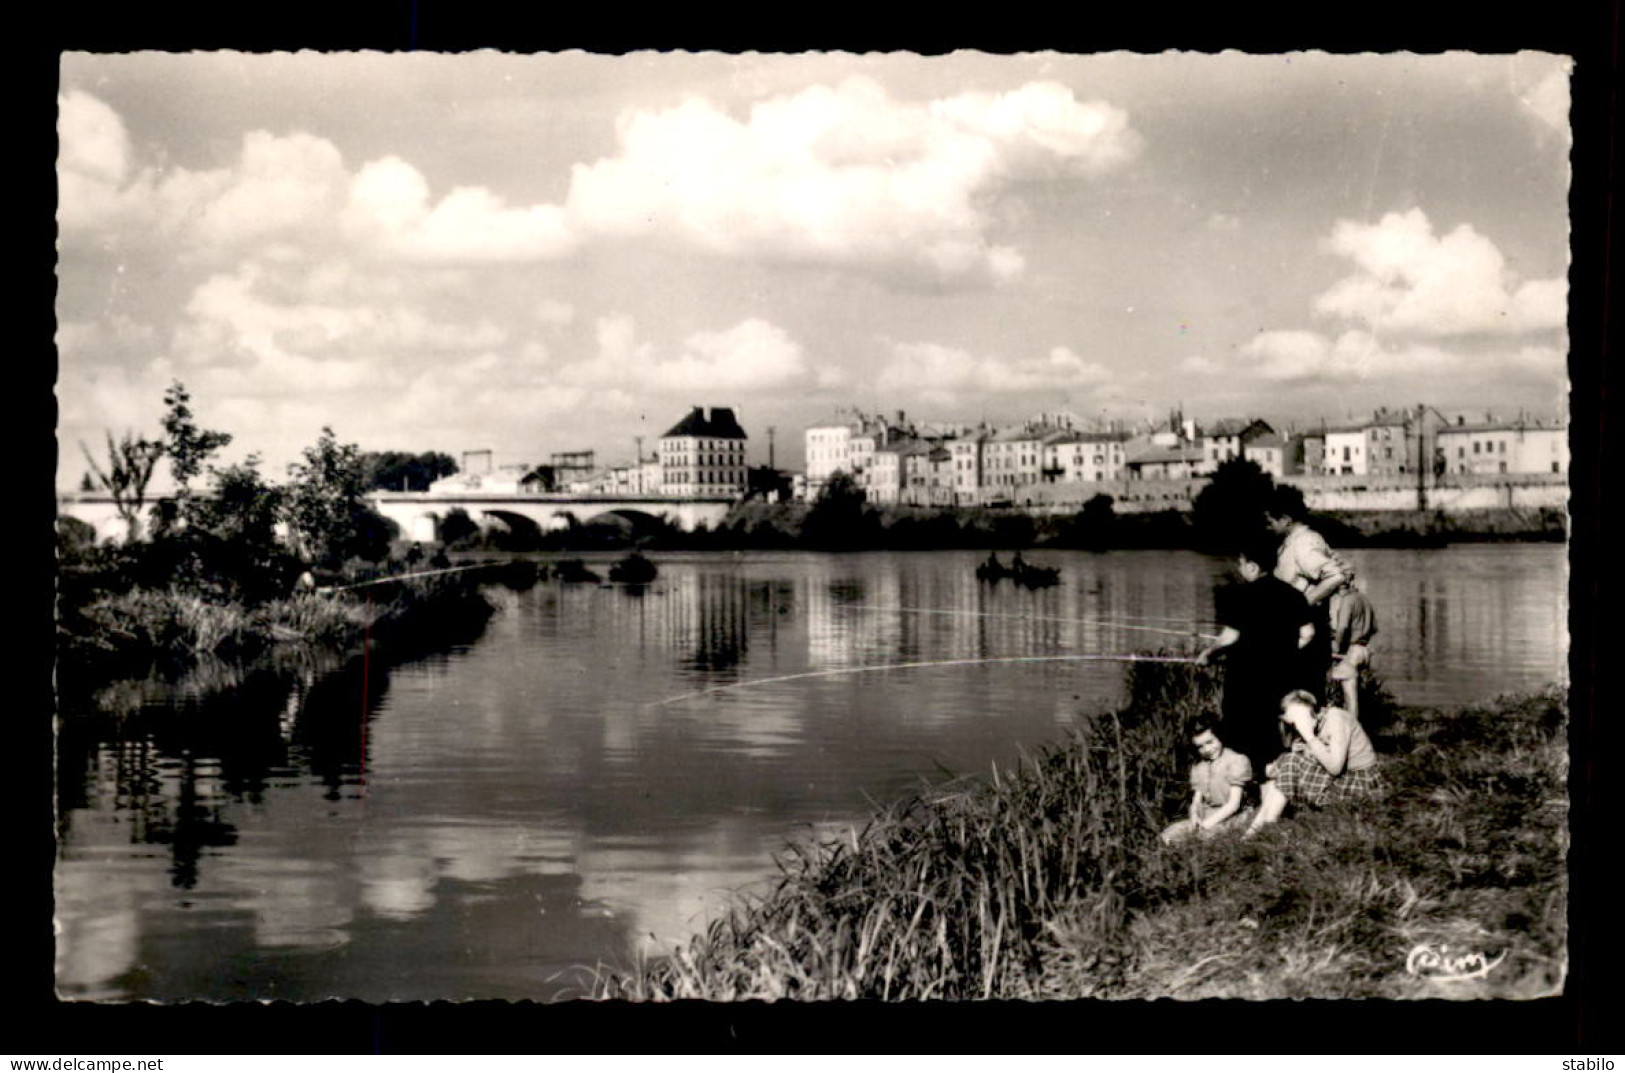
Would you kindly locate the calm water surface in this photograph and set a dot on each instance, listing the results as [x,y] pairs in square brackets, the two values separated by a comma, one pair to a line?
[574,786]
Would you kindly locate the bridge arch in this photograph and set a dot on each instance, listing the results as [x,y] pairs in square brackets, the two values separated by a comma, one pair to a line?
[638,522]
[522,529]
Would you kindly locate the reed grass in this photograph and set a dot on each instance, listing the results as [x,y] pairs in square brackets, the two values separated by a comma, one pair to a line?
[1047,880]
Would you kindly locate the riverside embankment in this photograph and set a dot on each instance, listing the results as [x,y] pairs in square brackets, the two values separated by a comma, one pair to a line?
[1047,880]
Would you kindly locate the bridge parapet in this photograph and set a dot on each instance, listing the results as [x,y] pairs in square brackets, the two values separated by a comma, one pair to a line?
[419,514]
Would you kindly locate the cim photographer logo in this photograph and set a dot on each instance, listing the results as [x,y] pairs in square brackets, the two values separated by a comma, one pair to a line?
[1445,962]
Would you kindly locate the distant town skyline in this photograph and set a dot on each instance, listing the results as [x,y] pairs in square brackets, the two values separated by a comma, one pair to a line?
[535,254]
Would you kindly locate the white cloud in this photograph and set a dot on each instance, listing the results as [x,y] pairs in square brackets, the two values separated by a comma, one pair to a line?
[1305,357]
[1410,282]
[845,174]
[389,205]
[278,185]
[93,142]
[753,356]
[93,161]
[945,375]
[552,312]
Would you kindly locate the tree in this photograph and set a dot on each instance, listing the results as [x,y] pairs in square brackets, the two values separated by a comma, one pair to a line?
[1230,509]
[838,517]
[325,505]
[130,462]
[230,542]
[401,471]
[456,525]
[1097,520]
[188,446]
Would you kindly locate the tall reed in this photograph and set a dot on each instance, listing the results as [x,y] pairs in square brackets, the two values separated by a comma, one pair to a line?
[1048,880]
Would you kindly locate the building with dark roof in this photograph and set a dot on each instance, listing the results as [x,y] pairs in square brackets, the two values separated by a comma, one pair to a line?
[704,455]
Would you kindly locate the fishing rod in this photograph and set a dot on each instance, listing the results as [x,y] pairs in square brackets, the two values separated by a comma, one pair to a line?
[401,577]
[922,665]
[1119,623]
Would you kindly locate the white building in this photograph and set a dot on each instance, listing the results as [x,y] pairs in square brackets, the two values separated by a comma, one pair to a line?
[1085,457]
[1517,446]
[1345,450]
[828,452]
[704,455]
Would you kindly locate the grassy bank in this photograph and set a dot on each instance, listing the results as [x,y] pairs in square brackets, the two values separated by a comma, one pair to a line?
[1048,881]
[106,632]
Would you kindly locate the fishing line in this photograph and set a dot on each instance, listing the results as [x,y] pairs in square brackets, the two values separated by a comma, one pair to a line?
[923,664]
[401,577]
[1121,624]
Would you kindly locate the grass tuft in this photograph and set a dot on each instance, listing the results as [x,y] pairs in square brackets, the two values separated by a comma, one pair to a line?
[1047,880]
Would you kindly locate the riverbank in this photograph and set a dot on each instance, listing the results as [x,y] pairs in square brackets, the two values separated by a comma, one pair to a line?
[1049,881]
[756,525]
[110,630]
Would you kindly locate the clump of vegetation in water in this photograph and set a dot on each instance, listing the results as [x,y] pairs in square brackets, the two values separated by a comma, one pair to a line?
[1049,881]
[214,579]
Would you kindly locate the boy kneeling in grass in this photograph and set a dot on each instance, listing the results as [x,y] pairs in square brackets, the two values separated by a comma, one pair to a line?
[1332,760]
[1218,782]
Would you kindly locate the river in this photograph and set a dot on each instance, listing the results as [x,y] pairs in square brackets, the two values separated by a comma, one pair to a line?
[598,770]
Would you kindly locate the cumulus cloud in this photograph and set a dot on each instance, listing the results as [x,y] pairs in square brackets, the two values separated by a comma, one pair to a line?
[295,189]
[946,374]
[1410,282]
[389,203]
[845,173]
[752,357]
[93,161]
[1296,357]
[253,343]
[842,174]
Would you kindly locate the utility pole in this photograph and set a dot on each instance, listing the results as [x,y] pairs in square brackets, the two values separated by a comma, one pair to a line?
[1423,462]
[770,431]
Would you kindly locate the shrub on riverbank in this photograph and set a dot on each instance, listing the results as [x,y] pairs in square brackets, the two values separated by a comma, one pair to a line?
[137,631]
[1049,881]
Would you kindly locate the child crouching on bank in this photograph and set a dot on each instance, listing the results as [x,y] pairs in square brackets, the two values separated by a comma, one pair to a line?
[1219,781]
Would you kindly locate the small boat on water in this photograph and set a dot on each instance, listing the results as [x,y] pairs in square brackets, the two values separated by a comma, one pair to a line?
[1019,571]
[574,570]
[634,569]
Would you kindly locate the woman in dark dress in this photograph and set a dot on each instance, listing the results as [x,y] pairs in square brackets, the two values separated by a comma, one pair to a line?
[1266,623]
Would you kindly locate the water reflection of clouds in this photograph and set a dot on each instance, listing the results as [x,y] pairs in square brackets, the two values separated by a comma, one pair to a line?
[529,784]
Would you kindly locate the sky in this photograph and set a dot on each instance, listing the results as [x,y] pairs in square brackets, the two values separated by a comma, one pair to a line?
[530,254]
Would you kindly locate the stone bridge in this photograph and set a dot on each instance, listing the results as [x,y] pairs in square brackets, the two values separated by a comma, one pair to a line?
[419,514]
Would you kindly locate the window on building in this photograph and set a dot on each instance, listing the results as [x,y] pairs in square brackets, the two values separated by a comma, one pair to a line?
[1475,447]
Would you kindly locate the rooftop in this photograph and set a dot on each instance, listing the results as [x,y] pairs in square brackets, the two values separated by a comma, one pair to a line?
[720,425]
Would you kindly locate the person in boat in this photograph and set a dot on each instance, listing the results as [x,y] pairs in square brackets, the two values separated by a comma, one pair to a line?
[1265,624]
[1219,780]
[1017,563]
[1307,563]
[1331,760]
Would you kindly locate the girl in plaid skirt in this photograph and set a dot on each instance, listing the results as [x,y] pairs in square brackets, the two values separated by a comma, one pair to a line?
[1331,760]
